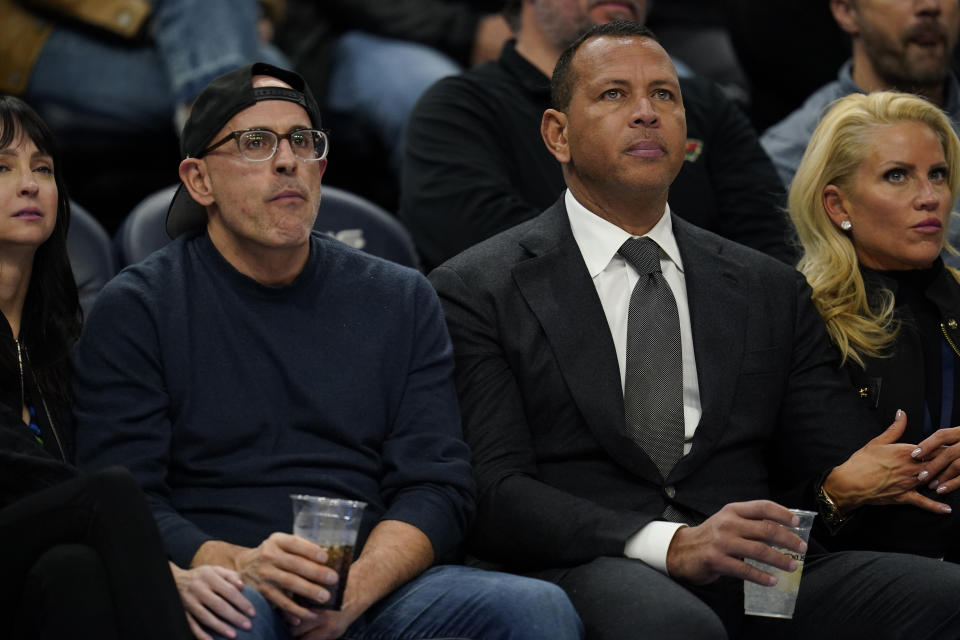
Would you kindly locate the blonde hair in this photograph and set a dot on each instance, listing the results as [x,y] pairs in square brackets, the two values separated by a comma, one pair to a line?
[829,261]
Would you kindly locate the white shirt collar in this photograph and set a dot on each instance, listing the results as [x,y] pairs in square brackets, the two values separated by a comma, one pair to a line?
[599,240]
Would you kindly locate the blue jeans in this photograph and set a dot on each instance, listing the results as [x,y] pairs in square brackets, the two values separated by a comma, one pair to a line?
[379,80]
[449,602]
[84,83]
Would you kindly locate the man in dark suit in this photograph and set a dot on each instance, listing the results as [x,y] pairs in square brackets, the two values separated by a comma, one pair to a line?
[560,397]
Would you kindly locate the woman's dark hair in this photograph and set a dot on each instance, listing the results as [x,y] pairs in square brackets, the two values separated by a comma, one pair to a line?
[51,314]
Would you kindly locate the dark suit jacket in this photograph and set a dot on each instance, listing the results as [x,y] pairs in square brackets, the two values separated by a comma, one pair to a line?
[542,404]
[898,380]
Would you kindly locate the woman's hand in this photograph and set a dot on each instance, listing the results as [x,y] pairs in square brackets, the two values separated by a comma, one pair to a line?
[212,598]
[940,459]
[881,472]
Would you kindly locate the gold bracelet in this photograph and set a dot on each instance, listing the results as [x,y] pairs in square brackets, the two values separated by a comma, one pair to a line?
[828,508]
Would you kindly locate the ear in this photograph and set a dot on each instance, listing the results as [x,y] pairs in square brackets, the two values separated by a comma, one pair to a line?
[193,174]
[835,204]
[323,167]
[553,130]
[845,15]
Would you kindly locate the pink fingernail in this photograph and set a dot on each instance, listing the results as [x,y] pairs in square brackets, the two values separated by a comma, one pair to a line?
[934,484]
[923,475]
[946,509]
[916,452]
[942,488]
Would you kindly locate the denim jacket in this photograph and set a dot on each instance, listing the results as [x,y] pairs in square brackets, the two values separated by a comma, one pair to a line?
[786,141]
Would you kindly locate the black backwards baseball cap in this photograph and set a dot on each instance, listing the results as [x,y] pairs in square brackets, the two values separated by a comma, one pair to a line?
[222,99]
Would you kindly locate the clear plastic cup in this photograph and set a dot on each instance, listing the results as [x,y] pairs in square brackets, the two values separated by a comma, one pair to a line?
[332,524]
[779,600]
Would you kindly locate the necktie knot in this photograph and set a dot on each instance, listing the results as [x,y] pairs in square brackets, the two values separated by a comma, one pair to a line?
[642,253]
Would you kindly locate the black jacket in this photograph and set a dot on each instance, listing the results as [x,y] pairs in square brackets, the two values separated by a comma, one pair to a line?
[900,381]
[25,465]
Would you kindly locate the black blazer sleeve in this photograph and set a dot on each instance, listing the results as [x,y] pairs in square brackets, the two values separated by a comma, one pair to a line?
[522,521]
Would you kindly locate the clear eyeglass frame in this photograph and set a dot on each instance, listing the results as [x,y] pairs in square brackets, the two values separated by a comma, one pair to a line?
[259,145]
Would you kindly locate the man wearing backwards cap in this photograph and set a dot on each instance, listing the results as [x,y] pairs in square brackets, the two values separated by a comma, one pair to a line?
[251,359]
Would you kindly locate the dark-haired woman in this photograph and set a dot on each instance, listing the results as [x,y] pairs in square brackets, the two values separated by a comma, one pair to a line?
[80,556]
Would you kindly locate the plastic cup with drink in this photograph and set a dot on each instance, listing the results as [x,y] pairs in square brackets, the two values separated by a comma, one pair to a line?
[779,600]
[333,524]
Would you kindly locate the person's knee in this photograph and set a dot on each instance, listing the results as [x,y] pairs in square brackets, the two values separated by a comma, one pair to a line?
[617,597]
[265,624]
[878,595]
[50,592]
[695,623]
[63,564]
[115,484]
[679,615]
[528,594]
[535,607]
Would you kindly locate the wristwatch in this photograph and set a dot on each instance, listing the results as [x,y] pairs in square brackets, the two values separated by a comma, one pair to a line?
[828,509]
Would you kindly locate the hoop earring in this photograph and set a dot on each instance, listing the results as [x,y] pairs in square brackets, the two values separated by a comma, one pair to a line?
[846,225]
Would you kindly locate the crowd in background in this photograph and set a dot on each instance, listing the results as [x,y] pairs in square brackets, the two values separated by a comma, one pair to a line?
[112,77]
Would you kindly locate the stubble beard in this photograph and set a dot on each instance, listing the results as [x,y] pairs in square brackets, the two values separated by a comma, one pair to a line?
[560,30]
[908,67]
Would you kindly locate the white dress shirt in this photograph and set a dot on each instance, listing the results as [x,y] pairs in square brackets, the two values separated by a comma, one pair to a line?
[614,279]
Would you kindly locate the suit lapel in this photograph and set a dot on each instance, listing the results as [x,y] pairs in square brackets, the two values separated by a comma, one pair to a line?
[557,287]
[718,315]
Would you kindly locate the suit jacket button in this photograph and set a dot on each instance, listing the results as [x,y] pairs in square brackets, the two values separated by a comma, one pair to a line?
[670,490]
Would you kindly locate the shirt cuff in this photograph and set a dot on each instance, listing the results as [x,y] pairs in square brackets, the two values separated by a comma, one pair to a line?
[650,544]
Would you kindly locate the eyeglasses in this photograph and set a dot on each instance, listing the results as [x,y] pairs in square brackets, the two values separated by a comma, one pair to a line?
[258,145]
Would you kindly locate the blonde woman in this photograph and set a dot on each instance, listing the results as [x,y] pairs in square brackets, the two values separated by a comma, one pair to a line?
[871,202]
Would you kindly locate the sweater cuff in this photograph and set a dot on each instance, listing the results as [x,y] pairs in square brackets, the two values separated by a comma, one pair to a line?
[434,516]
[181,538]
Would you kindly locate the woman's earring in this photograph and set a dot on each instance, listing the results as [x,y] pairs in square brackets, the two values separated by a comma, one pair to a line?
[846,225]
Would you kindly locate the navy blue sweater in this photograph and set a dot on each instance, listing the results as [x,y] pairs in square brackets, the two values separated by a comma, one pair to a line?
[223,396]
